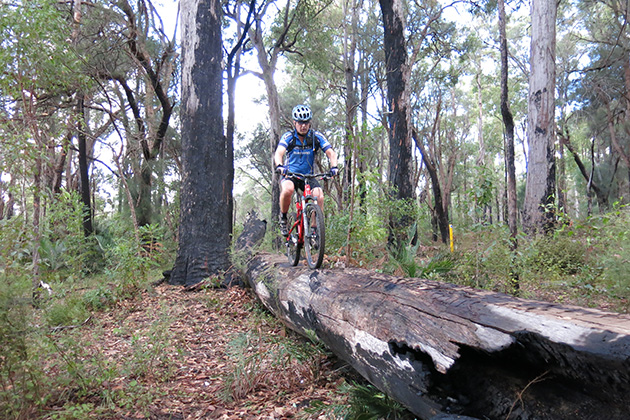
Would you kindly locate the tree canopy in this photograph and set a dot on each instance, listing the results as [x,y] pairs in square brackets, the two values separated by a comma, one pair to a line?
[108,74]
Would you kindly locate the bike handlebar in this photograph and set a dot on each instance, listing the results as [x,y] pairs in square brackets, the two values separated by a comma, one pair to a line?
[308,176]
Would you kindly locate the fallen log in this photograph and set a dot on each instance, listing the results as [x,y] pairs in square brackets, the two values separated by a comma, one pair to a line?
[447,351]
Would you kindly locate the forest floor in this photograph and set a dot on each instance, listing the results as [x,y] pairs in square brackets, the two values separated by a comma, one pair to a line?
[168,353]
[209,354]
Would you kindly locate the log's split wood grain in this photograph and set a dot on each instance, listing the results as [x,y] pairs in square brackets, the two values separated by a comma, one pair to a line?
[446,351]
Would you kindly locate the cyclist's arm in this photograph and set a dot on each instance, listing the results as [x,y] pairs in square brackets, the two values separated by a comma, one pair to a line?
[332,157]
[278,157]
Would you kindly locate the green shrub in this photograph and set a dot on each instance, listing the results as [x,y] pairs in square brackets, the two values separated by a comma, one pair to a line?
[611,251]
[483,258]
[20,372]
[129,265]
[368,403]
[559,255]
[368,233]
[62,244]
[99,298]
[69,311]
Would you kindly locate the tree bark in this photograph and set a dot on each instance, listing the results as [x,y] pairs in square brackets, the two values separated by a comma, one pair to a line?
[538,213]
[444,350]
[399,116]
[350,34]
[508,124]
[83,168]
[207,156]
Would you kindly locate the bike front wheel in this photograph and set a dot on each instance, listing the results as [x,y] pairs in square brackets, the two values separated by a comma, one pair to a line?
[314,235]
[293,242]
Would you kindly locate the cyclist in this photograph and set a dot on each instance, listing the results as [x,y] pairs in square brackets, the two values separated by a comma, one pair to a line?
[300,146]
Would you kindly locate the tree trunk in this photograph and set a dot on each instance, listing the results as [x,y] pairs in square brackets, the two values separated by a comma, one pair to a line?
[508,124]
[350,8]
[591,185]
[207,157]
[538,211]
[399,117]
[440,217]
[83,168]
[439,348]
[268,66]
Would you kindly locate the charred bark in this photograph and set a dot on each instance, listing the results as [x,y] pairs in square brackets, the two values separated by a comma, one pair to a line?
[401,169]
[444,350]
[207,157]
[508,124]
[83,169]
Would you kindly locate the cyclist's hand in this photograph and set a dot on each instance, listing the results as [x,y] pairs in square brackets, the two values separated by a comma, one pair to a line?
[281,169]
[334,171]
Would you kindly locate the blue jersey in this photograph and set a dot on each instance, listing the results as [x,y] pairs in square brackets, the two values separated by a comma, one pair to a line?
[301,154]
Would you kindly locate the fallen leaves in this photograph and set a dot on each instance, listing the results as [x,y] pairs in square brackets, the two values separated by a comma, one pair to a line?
[187,340]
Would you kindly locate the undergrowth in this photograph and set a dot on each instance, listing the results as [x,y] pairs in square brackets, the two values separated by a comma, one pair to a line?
[49,369]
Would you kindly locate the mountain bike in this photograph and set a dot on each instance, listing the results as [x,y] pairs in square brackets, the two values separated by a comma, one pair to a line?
[306,226]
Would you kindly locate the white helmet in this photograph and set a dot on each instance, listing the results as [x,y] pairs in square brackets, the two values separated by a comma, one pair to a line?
[302,113]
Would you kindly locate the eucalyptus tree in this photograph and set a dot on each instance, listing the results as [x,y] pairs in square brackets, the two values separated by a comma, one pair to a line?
[399,126]
[207,157]
[338,67]
[538,210]
[235,47]
[508,123]
[570,51]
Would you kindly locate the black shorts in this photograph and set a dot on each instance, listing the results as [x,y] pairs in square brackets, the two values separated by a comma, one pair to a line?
[299,183]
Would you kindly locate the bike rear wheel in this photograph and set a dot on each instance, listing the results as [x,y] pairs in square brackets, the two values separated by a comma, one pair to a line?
[315,235]
[293,242]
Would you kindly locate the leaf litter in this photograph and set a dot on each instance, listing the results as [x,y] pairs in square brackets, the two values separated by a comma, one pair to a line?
[210,354]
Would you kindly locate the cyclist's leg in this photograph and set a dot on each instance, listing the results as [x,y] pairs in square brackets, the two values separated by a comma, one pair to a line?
[286,191]
[317,192]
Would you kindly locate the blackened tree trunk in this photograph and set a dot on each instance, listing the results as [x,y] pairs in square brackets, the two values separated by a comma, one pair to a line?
[207,156]
[538,211]
[81,137]
[83,169]
[349,56]
[399,127]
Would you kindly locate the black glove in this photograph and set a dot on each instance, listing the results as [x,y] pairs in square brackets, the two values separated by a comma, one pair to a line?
[334,171]
[281,169]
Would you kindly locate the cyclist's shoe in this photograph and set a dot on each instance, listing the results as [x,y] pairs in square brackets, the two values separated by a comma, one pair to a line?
[283,226]
[314,237]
